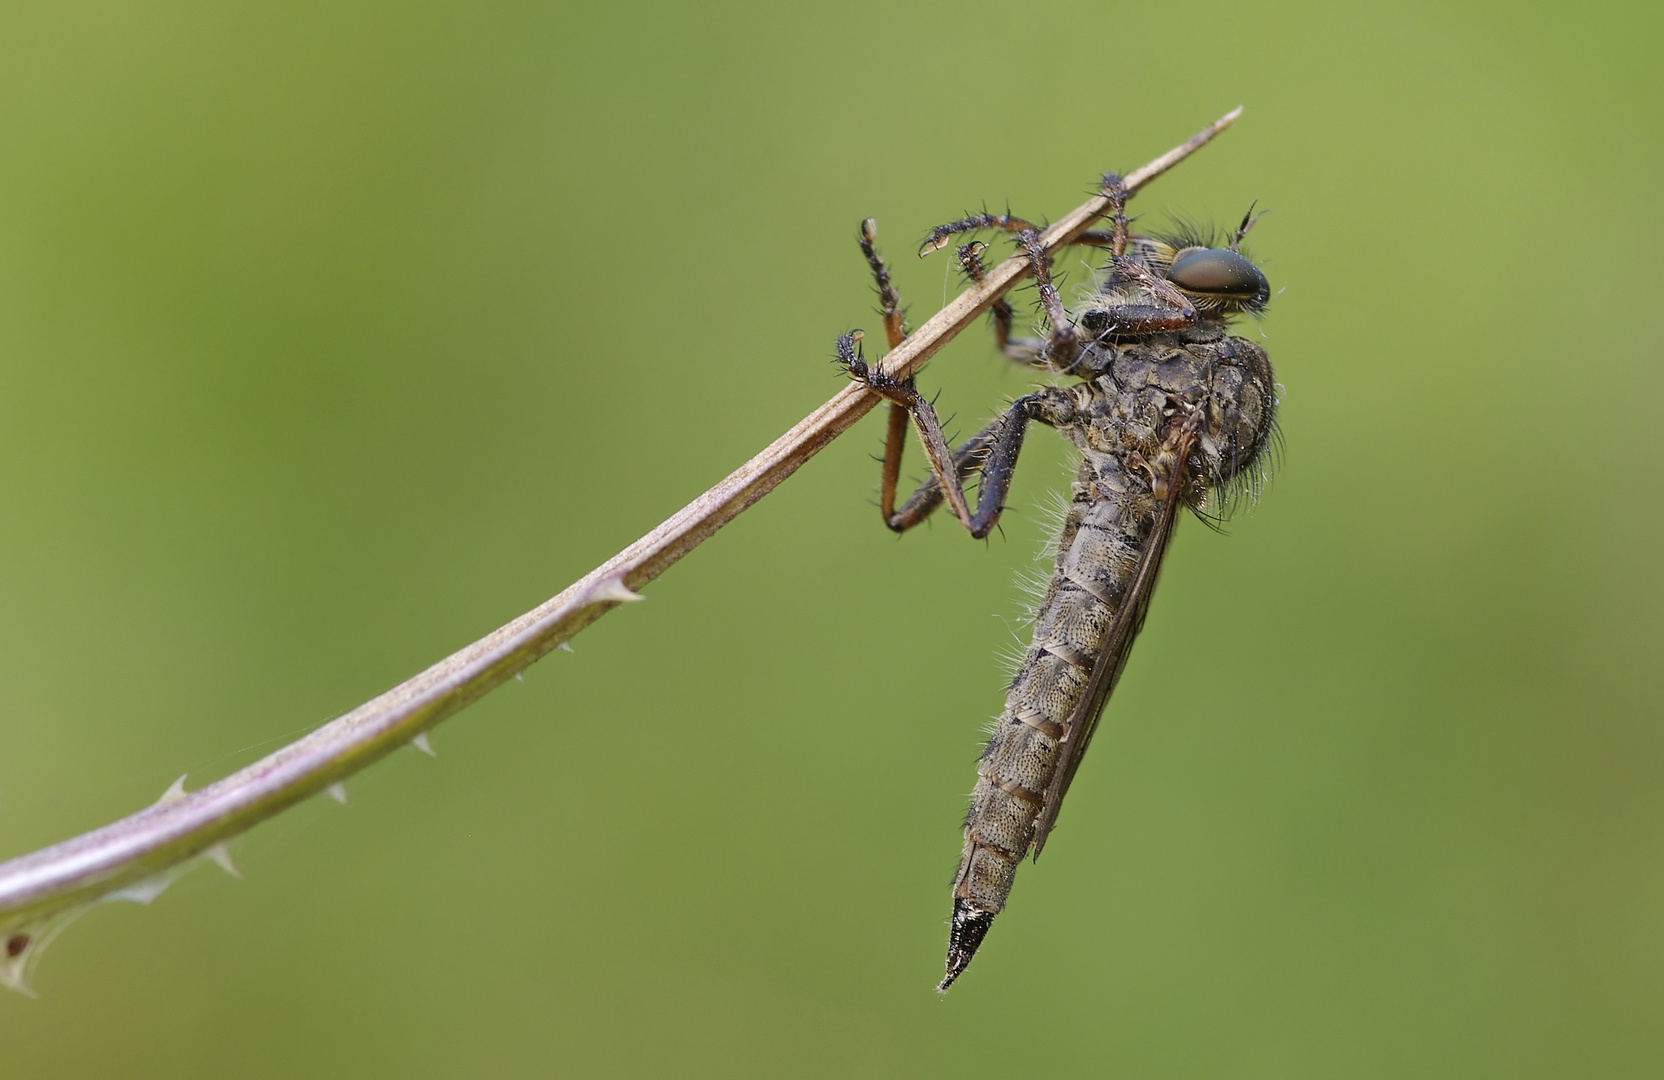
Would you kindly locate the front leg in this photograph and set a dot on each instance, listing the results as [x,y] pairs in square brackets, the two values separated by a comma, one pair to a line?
[1028,351]
[1172,311]
[1063,343]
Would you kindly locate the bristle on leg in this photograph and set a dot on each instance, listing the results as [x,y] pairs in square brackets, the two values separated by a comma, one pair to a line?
[970,926]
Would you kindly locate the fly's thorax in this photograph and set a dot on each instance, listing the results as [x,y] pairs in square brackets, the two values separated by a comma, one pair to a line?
[1127,406]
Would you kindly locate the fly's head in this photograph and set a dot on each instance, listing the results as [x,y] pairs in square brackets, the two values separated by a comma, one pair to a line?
[1217,278]
[1219,281]
[1192,266]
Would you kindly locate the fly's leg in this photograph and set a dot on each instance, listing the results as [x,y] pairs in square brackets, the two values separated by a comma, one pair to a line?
[895,331]
[1010,223]
[1172,309]
[995,448]
[927,497]
[1050,407]
[1006,222]
[889,301]
[1063,343]
[1115,191]
[1028,351]
[905,400]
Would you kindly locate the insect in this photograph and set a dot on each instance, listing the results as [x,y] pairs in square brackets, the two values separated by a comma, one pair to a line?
[1170,411]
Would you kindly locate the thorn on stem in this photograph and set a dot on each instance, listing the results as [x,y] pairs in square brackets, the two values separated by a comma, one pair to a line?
[614,590]
[145,892]
[12,963]
[421,743]
[175,792]
[220,856]
[338,792]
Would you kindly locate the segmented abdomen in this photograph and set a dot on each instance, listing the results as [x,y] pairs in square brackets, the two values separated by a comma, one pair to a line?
[1097,556]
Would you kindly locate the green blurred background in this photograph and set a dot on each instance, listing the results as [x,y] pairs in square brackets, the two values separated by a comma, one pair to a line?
[334,334]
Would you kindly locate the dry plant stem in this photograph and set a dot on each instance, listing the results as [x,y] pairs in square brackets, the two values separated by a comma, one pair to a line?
[149,844]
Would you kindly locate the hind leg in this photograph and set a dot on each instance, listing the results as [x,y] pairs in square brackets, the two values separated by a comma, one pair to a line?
[993,450]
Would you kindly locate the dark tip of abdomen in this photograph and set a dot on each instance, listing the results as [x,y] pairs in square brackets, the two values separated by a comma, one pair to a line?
[970,926]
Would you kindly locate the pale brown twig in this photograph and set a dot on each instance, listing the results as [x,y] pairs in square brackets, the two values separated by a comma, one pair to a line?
[135,857]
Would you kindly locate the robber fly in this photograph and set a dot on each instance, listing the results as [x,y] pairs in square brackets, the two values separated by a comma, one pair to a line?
[1170,411]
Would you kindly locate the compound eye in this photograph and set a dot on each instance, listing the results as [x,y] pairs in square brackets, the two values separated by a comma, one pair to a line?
[1218,272]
